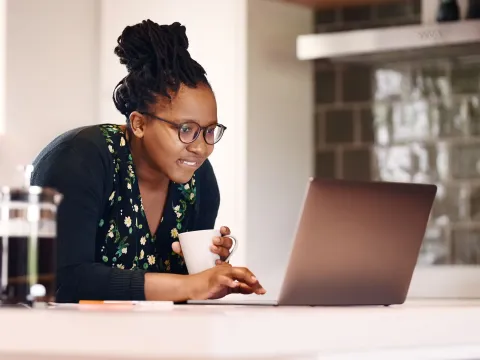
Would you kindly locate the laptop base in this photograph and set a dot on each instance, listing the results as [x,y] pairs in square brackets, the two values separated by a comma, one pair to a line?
[240,302]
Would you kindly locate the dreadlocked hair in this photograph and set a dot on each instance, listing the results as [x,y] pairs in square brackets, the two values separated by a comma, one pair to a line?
[158,63]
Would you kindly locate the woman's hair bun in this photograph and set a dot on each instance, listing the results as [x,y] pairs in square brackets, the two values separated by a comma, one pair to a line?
[158,63]
[142,44]
[180,33]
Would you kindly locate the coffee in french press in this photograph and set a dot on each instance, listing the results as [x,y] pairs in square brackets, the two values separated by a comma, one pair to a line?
[28,244]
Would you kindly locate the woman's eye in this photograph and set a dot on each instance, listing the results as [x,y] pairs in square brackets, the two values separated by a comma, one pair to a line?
[185,129]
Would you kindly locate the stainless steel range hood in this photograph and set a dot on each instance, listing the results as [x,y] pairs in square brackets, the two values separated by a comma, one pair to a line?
[393,43]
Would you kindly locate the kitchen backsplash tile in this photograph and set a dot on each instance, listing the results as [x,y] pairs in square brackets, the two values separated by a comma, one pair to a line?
[424,166]
[325,86]
[436,247]
[465,246]
[448,119]
[390,82]
[405,121]
[339,126]
[473,203]
[465,78]
[357,164]
[319,132]
[325,165]
[471,106]
[367,134]
[464,161]
[429,80]
[451,205]
[356,83]
[392,163]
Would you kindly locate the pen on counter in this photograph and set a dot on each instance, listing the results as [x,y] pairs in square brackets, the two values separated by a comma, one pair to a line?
[106,302]
[97,304]
[114,302]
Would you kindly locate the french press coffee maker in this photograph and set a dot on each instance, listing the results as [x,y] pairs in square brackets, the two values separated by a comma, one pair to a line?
[28,230]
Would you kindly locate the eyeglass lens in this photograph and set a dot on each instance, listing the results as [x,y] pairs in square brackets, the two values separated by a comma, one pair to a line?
[189,132]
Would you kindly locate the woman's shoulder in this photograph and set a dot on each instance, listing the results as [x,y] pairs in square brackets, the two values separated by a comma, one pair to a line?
[85,142]
[83,147]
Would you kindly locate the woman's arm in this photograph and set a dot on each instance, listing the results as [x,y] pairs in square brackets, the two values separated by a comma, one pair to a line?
[166,287]
[81,173]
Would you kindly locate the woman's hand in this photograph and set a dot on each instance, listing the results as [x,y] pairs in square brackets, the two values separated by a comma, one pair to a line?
[222,280]
[220,245]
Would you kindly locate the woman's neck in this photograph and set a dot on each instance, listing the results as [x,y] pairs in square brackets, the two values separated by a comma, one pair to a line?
[150,177]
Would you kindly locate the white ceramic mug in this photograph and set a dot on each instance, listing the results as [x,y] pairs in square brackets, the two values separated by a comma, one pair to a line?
[196,249]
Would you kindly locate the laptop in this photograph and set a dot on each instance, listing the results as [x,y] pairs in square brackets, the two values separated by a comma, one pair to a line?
[356,243]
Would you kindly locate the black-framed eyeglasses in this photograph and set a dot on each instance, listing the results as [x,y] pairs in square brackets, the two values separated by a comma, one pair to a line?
[189,131]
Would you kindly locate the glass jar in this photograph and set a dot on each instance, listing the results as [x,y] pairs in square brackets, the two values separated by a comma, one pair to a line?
[28,230]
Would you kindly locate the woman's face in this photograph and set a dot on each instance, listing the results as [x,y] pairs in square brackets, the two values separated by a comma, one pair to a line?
[162,148]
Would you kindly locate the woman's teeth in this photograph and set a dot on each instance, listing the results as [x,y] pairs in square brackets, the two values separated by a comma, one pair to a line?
[189,163]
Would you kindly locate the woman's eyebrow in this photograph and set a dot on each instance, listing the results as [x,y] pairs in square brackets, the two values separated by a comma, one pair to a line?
[188,119]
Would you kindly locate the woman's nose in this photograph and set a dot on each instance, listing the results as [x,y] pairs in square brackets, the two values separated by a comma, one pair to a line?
[199,146]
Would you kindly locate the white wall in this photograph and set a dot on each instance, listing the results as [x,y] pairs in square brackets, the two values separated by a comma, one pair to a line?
[52,75]
[3,66]
[217,33]
[279,136]
[62,70]
[265,98]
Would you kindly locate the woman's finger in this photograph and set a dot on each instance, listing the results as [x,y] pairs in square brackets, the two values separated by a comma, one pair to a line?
[220,250]
[227,281]
[223,241]
[244,275]
[243,289]
[224,230]
[177,248]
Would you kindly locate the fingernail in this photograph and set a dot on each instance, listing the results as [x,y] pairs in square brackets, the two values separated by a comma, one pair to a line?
[217,240]
[254,278]
[218,262]
[213,248]
[263,291]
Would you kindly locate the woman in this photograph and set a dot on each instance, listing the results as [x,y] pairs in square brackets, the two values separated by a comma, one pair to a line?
[129,190]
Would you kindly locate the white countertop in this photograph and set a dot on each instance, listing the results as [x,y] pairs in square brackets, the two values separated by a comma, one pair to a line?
[227,332]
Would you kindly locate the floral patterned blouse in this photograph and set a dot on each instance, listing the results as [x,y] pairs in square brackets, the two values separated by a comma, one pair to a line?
[104,246]
[127,240]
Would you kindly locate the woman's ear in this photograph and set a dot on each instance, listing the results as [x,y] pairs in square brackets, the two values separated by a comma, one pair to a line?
[137,124]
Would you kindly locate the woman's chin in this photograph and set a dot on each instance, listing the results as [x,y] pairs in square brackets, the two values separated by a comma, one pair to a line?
[182,177]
